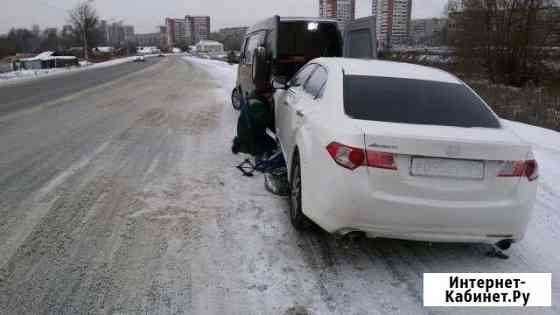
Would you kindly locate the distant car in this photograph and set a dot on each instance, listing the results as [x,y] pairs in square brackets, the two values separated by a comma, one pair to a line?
[401,151]
[140,58]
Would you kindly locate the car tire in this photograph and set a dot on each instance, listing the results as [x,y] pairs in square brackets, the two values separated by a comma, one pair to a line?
[298,219]
[236,99]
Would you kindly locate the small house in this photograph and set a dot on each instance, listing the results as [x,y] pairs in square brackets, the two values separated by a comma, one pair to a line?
[209,47]
[104,49]
[45,60]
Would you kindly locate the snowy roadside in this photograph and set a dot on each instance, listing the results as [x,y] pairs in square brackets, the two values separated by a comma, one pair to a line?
[25,75]
[224,73]
[322,276]
[546,147]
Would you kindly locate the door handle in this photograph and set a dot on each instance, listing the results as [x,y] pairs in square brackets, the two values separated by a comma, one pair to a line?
[300,113]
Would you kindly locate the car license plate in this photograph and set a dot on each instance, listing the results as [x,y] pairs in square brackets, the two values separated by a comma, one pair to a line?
[450,168]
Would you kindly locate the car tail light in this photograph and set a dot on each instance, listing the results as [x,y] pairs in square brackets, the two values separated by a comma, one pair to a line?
[532,170]
[352,158]
[381,160]
[529,169]
[345,156]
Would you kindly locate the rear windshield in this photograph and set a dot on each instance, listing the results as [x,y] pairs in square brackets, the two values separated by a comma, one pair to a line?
[414,102]
[309,39]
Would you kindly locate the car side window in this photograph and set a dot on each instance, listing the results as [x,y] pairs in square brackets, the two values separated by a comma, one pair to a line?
[244,53]
[316,82]
[253,42]
[250,47]
[301,77]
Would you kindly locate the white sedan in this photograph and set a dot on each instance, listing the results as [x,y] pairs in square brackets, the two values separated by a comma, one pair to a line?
[401,151]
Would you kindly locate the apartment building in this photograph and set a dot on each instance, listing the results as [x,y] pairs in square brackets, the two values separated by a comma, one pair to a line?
[343,11]
[198,28]
[393,21]
[150,39]
[129,33]
[233,31]
[176,32]
[427,31]
[117,34]
[187,31]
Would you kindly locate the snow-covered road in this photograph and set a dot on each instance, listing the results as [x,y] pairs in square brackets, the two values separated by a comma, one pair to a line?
[385,276]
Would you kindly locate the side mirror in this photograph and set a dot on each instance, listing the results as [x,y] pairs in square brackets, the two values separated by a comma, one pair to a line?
[278,85]
[261,69]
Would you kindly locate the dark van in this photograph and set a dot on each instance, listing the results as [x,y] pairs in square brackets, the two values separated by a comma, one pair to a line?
[276,48]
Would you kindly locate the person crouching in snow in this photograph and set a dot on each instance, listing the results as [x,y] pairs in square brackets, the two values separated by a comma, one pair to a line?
[257,114]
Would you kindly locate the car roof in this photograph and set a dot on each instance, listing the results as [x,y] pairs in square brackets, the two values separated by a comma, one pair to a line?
[306,19]
[381,68]
[272,22]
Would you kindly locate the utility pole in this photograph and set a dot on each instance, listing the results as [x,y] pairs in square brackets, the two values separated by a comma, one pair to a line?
[84,28]
[85,41]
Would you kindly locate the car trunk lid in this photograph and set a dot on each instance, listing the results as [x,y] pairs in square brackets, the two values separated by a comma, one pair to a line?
[462,162]
[445,142]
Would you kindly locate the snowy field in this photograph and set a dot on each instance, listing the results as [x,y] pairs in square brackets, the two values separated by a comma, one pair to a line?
[318,274]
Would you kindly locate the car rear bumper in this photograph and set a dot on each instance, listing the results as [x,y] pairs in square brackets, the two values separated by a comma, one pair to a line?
[427,235]
[486,225]
[343,206]
[450,231]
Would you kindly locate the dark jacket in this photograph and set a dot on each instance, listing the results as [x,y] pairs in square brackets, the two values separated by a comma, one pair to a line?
[255,117]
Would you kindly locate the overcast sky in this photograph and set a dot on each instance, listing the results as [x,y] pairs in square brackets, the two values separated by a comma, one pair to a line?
[145,15]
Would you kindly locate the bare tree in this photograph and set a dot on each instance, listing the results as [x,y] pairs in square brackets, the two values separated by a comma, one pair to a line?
[50,39]
[84,20]
[506,36]
[451,6]
[7,46]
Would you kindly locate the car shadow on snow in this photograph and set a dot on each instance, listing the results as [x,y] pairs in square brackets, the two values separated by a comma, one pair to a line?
[417,256]
[387,264]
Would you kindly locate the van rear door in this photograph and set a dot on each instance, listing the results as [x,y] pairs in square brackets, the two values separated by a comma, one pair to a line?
[252,42]
[360,39]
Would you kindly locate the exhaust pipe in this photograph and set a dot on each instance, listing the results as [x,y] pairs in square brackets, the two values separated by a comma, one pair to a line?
[504,244]
[498,249]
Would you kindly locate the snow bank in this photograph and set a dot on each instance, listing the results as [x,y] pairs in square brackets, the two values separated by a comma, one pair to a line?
[437,59]
[546,147]
[220,71]
[111,63]
[26,74]
[224,73]
[540,137]
[18,76]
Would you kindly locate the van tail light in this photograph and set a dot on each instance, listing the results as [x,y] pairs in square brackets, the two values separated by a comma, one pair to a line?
[352,158]
[529,169]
